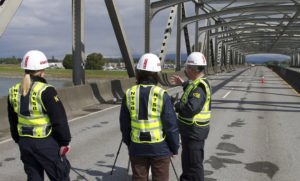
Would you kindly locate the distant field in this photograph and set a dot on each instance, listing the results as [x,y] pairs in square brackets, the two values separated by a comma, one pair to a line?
[15,69]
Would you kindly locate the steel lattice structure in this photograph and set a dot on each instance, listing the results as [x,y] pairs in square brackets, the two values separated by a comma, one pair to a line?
[236,28]
[232,30]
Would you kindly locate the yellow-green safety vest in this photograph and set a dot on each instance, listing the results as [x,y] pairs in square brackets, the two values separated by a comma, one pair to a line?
[38,121]
[153,124]
[202,118]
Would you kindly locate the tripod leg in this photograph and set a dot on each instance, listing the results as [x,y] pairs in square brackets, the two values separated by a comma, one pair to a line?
[116,158]
[174,169]
[128,167]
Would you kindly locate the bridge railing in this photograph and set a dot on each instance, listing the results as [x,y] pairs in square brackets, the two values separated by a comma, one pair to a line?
[290,76]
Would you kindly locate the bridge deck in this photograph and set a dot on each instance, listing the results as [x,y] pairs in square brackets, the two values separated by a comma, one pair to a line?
[254,135]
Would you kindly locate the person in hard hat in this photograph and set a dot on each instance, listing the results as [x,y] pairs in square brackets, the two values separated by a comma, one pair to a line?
[38,122]
[194,112]
[148,123]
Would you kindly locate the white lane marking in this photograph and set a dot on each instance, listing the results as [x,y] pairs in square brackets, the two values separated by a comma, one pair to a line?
[74,119]
[7,140]
[226,94]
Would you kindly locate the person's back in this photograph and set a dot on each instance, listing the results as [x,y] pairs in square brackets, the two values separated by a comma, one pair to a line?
[148,124]
[38,122]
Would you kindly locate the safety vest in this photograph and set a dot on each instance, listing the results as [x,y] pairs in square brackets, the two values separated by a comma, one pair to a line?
[153,125]
[202,118]
[38,124]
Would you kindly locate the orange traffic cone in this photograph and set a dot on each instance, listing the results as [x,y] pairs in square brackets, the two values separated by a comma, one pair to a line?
[262,80]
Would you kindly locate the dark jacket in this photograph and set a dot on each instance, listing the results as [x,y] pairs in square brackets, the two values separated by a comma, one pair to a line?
[55,111]
[166,148]
[193,106]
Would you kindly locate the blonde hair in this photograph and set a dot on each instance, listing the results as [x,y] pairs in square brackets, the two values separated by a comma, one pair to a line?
[26,82]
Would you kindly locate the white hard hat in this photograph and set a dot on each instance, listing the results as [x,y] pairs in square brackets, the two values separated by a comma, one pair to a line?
[34,60]
[149,62]
[196,58]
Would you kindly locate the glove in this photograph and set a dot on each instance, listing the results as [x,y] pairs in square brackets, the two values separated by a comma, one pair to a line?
[63,150]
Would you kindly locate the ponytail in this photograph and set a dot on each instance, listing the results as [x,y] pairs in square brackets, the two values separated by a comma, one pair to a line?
[26,84]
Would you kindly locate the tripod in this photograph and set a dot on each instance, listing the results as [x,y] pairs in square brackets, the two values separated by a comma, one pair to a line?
[117,158]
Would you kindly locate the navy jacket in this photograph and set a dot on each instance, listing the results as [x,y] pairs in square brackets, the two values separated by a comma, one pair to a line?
[166,148]
[193,106]
[55,111]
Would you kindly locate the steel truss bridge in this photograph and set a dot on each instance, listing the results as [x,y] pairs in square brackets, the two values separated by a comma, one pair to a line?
[232,30]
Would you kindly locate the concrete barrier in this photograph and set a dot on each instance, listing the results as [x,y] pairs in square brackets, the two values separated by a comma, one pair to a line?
[77,98]
[290,76]
[4,128]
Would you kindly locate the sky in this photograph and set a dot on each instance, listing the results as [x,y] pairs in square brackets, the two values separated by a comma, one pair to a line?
[47,26]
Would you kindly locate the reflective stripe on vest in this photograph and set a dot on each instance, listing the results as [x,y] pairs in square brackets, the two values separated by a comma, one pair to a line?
[153,125]
[202,118]
[38,124]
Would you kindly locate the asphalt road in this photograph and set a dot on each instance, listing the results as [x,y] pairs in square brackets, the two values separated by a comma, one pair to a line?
[254,135]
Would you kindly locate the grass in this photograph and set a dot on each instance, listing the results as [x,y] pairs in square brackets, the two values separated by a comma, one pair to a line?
[15,69]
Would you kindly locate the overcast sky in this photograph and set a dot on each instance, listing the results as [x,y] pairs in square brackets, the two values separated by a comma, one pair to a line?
[47,26]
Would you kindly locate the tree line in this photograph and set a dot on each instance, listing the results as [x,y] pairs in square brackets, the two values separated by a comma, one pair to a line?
[94,61]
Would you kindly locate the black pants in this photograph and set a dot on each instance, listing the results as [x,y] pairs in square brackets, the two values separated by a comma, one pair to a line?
[192,159]
[42,154]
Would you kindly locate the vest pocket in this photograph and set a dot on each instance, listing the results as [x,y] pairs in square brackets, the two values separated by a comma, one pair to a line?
[27,131]
[145,136]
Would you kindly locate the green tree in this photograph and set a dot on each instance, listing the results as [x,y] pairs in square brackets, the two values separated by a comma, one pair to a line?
[52,59]
[94,61]
[67,62]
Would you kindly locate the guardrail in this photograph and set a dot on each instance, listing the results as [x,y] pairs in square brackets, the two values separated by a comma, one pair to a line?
[290,76]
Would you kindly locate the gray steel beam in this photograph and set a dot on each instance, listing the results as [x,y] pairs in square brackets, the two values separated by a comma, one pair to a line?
[244,1]
[287,26]
[147,27]
[208,59]
[298,60]
[8,9]
[258,20]
[186,34]
[196,43]
[78,41]
[178,38]
[256,28]
[167,35]
[241,9]
[163,4]
[251,34]
[121,36]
